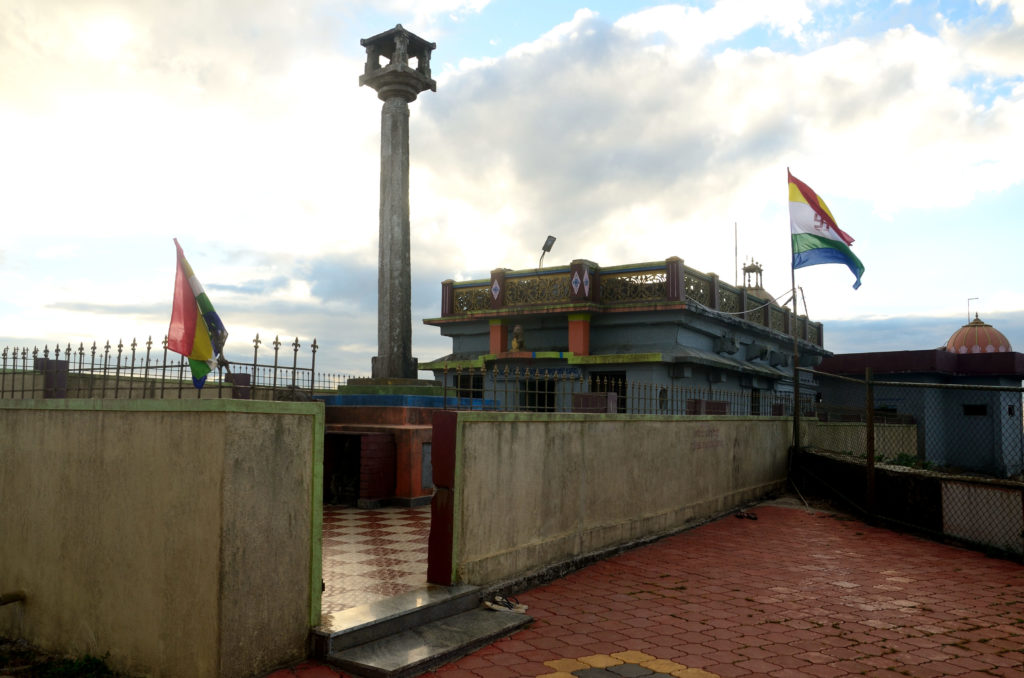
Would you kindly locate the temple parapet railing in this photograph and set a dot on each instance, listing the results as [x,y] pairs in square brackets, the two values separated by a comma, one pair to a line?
[585,286]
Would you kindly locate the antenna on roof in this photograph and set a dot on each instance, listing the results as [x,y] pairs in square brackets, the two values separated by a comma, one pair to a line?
[969,300]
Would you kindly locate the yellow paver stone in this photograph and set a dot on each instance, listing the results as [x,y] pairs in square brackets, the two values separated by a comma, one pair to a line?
[567,665]
[694,673]
[559,674]
[632,656]
[662,666]
[600,661]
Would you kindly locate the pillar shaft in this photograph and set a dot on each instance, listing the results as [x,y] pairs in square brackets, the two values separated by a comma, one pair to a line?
[394,321]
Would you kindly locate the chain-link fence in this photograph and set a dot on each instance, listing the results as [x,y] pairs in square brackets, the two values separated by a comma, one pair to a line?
[145,370]
[944,458]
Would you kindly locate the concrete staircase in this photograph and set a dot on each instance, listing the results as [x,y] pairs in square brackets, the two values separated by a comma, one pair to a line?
[412,633]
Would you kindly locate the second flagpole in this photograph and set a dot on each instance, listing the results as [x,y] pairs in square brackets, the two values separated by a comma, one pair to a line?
[796,348]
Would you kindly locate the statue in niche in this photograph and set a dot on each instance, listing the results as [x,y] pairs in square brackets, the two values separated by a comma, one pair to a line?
[401,54]
[518,342]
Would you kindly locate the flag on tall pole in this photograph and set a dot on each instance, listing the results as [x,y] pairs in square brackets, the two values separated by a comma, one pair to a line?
[816,237]
[196,330]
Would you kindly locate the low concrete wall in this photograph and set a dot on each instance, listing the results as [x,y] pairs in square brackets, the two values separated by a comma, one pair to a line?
[535,490]
[180,537]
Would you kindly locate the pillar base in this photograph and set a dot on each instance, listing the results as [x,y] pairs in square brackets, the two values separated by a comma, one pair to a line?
[383,369]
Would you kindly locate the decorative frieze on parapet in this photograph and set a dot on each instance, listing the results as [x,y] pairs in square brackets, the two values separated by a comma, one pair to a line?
[466,297]
[526,289]
[634,283]
[586,287]
[699,288]
[776,318]
[729,300]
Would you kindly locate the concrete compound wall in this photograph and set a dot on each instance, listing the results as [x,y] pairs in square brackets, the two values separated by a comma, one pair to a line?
[529,491]
[180,537]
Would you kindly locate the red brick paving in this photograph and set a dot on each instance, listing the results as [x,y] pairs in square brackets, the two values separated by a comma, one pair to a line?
[794,593]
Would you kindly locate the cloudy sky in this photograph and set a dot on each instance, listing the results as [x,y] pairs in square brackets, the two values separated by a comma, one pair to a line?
[630,131]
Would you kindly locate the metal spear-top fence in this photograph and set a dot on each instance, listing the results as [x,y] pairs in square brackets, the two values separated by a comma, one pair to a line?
[150,370]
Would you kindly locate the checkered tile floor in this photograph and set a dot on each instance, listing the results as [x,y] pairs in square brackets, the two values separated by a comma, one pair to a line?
[369,555]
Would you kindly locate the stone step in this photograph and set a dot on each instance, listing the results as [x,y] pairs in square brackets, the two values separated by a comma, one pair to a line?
[422,648]
[366,623]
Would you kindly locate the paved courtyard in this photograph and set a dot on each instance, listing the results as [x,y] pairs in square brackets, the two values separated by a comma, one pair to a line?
[788,592]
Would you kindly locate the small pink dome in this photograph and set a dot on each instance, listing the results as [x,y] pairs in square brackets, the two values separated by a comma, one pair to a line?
[978,337]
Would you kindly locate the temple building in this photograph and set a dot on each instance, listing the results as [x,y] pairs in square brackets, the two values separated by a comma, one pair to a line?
[976,354]
[661,324]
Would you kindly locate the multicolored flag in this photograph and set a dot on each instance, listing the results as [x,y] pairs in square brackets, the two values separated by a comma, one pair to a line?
[816,237]
[196,331]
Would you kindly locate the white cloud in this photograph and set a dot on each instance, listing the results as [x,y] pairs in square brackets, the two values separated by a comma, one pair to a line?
[1016,7]
[564,32]
[691,29]
[425,15]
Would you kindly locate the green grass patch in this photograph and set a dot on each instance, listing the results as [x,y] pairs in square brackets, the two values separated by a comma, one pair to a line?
[18,658]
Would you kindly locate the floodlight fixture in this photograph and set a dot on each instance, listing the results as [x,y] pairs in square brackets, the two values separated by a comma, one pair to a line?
[548,244]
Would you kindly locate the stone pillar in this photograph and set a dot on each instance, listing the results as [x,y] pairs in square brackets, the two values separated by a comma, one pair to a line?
[397,85]
[394,277]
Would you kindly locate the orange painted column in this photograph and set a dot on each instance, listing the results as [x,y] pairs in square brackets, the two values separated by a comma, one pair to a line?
[499,336]
[579,333]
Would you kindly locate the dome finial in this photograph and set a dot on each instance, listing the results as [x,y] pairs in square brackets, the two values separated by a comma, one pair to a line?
[977,336]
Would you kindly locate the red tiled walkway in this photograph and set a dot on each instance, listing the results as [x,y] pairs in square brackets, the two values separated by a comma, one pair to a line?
[793,593]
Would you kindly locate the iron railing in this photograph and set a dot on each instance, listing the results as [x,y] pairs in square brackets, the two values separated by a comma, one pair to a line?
[569,389]
[146,370]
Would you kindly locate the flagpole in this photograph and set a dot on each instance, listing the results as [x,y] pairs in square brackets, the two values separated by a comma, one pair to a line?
[796,361]
[794,327]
